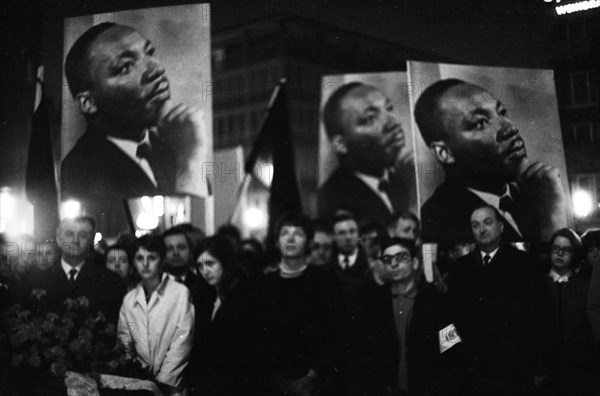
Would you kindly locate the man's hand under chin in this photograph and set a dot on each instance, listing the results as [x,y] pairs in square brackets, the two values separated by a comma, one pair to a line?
[183,128]
[542,186]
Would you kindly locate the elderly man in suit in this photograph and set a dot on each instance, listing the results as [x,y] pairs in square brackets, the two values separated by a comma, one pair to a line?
[502,312]
[76,275]
[470,134]
[366,134]
[136,143]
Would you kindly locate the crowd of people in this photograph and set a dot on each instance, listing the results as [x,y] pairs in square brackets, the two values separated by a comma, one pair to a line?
[337,308]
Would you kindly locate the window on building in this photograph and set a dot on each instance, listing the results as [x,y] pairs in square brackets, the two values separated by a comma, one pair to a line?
[579,88]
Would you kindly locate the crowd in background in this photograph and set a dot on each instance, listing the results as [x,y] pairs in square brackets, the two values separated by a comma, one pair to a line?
[335,308]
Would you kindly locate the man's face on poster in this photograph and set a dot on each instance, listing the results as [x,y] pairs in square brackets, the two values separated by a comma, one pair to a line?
[482,140]
[128,85]
[372,131]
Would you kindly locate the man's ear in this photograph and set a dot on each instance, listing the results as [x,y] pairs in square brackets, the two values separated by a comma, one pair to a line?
[339,144]
[87,104]
[442,152]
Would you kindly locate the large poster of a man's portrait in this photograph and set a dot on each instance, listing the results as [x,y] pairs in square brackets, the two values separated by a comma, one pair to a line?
[487,135]
[136,110]
[365,150]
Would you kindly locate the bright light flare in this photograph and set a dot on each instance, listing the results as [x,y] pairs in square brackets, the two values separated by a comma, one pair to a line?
[70,209]
[255,218]
[583,204]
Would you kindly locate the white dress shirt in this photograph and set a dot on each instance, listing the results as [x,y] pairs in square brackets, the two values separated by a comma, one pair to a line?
[129,147]
[351,259]
[68,267]
[373,183]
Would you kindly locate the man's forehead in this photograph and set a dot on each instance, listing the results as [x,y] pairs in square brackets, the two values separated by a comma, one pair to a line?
[362,97]
[321,235]
[175,238]
[463,98]
[483,214]
[345,225]
[75,225]
[115,40]
[393,249]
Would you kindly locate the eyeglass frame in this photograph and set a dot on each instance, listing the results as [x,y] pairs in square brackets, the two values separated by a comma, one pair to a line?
[400,257]
[561,249]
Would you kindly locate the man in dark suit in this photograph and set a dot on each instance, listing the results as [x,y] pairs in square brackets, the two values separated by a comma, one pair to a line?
[483,155]
[400,321]
[179,256]
[133,131]
[76,275]
[349,260]
[367,137]
[502,312]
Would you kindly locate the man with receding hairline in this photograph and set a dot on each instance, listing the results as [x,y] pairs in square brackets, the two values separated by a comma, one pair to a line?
[502,312]
[485,161]
[367,137]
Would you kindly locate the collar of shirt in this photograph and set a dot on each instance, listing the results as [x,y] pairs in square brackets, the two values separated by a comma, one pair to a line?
[373,183]
[141,295]
[494,200]
[68,267]
[491,254]
[129,147]
[556,277]
[351,258]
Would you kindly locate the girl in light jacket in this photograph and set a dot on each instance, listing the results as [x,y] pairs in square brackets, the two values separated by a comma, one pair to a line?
[156,322]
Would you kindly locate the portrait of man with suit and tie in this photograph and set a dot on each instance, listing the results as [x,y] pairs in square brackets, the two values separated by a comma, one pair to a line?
[365,133]
[469,131]
[138,140]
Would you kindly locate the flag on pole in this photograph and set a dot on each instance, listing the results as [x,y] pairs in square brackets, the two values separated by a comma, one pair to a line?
[271,161]
[40,178]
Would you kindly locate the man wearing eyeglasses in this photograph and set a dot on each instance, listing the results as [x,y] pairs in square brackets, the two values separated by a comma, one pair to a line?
[502,310]
[402,321]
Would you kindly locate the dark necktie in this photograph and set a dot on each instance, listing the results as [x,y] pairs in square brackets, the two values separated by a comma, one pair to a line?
[346,263]
[384,186]
[179,279]
[145,151]
[486,260]
[72,274]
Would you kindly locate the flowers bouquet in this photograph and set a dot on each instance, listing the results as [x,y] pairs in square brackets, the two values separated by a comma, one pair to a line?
[45,345]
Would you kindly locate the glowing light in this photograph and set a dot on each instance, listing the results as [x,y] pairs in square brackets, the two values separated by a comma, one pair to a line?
[70,209]
[255,218]
[577,7]
[583,204]
[146,221]
[97,237]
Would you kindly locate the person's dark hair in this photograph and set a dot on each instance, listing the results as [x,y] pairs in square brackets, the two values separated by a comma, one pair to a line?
[295,220]
[322,225]
[490,207]
[151,243]
[231,232]
[77,61]
[406,243]
[123,247]
[373,226]
[345,216]
[591,238]
[407,215]
[219,246]
[576,244]
[177,230]
[333,108]
[428,112]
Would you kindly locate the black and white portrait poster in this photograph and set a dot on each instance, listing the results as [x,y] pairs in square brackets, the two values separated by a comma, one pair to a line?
[487,135]
[136,109]
[365,142]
